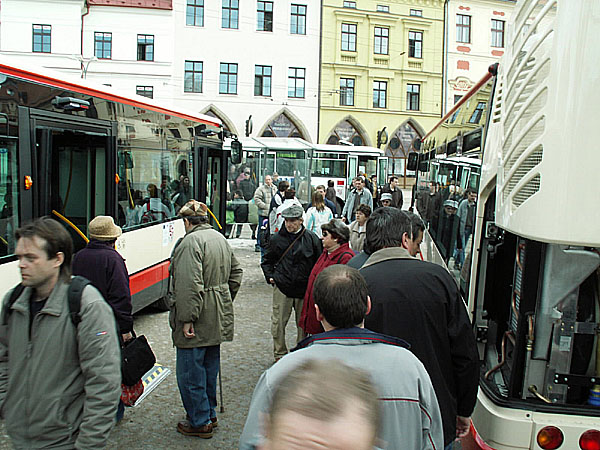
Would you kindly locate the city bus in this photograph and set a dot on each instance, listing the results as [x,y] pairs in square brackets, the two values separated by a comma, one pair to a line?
[533,291]
[74,150]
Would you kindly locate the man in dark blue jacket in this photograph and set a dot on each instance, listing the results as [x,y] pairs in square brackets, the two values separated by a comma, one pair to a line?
[100,263]
[292,253]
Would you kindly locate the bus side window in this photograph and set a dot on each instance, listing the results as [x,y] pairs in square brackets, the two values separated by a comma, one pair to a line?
[8,197]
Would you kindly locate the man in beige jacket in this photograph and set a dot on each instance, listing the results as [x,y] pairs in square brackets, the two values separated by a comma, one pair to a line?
[206,278]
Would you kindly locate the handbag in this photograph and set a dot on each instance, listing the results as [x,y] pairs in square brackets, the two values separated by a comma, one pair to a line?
[130,394]
[137,359]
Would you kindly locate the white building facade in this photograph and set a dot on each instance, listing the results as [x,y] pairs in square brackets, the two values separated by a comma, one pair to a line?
[229,59]
[476,31]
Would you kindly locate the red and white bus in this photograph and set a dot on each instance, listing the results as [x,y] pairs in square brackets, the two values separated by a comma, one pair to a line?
[75,150]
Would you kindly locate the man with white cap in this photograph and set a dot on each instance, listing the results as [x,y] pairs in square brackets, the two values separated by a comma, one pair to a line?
[292,253]
[206,278]
[386,199]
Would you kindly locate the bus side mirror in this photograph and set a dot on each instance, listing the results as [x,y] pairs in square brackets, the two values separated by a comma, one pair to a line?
[236,152]
[413,161]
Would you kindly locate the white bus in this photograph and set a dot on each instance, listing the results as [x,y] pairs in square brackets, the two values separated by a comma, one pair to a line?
[74,150]
[534,271]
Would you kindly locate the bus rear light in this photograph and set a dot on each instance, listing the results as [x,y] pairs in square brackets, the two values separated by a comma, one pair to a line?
[340,182]
[550,438]
[590,440]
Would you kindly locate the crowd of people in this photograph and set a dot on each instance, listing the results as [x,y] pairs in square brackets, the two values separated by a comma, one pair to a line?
[383,337]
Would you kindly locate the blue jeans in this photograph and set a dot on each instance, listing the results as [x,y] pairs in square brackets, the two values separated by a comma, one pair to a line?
[197,370]
[449,446]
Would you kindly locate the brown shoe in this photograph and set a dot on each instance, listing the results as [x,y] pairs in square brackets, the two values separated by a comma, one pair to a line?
[214,422]
[204,432]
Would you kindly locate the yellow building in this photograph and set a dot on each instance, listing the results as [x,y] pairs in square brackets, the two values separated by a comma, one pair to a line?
[381,66]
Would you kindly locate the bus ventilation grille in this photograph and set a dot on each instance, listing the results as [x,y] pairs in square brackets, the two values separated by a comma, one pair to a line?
[528,189]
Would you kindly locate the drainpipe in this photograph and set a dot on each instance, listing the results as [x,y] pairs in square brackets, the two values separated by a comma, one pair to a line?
[445,60]
[87,11]
[320,66]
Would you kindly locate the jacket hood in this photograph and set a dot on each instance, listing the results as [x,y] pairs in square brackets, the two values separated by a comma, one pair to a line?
[350,336]
[386,254]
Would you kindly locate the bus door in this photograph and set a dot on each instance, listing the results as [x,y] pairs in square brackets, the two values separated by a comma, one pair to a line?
[352,169]
[382,165]
[73,165]
[212,178]
[465,177]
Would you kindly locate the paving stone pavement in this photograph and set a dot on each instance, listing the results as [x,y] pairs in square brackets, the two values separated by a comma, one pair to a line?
[151,425]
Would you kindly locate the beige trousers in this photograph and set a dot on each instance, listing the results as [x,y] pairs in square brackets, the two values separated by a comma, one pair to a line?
[282,310]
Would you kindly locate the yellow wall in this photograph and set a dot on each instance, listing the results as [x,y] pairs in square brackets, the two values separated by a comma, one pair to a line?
[395,68]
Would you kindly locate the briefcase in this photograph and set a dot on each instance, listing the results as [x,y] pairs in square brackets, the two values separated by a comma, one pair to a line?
[138,359]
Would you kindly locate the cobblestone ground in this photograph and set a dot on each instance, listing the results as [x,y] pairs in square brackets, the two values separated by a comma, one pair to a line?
[152,423]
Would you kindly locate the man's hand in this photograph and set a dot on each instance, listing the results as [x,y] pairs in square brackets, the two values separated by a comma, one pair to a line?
[272,281]
[462,426]
[188,330]
[345,220]
[127,337]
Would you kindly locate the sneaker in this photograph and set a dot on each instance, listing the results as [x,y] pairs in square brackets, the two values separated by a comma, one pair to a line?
[204,432]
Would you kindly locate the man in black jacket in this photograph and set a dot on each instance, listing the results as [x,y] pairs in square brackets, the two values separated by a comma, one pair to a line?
[292,253]
[419,302]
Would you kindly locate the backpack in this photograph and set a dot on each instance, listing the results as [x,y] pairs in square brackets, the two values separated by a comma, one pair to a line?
[149,215]
[75,291]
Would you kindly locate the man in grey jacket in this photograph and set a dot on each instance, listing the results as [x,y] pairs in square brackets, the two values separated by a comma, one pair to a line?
[262,199]
[357,196]
[64,381]
[411,416]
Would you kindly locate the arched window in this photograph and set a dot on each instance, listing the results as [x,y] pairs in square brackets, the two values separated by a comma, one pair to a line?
[399,146]
[212,113]
[347,132]
[282,126]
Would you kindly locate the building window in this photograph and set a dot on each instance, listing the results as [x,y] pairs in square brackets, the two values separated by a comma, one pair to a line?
[349,37]
[497,33]
[413,94]
[347,91]
[298,22]
[145,47]
[103,45]
[416,12]
[383,8]
[194,13]
[296,77]
[381,40]
[262,81]
[231,11]
[463,28]
[145,91]
[192,81]
[264,13]
[457,98]
[41,38]
[477,113]
[349,4]
[415,44]
[228,79]
[379,94]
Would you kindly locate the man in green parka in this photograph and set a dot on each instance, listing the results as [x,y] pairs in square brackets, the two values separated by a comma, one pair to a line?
[206,278]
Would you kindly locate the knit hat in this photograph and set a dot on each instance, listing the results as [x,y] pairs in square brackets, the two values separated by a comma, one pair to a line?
[103,228]
[193,208]
[387,196]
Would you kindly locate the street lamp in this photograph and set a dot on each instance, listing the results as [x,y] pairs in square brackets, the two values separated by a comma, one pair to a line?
[382,137]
